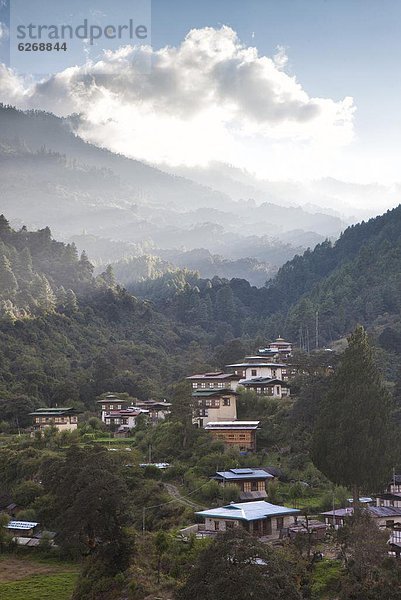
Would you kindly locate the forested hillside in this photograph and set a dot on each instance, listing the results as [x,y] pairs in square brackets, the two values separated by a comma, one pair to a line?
[355,280]
[66,336]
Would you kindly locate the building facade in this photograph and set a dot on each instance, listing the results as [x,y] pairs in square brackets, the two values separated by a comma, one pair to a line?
[275,388]
[259,518]
[63,419]
[213,405]
[241,434]
[252,483]
[259,366]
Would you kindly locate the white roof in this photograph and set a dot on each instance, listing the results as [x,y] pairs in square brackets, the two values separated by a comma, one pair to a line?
[21,525]
[248,511]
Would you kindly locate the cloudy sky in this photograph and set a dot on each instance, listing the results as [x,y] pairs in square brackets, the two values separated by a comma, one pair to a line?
[289,89]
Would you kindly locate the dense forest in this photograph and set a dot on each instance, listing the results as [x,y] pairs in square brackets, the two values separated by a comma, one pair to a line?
[355,280]
[67,335]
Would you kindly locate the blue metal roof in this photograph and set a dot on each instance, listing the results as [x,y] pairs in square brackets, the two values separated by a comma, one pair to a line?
[244,474]
[248,511]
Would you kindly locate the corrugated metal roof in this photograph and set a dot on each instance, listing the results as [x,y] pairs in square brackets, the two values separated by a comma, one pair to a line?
[248,511]
[21,524]
[244,474]
[224,425]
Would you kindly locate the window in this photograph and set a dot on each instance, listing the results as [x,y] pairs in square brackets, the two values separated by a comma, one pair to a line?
[254,486]
[211,384]
[217,525]
[118,406]
[226,401]
[194,385]
[220,385]
[203,385]
[274,372]
[254,372]
[278,390]
[279,523]
[258,390]
[103,407]
[229,524]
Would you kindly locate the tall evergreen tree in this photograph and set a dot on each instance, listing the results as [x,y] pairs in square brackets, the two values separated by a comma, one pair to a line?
[354,441]
[8,282]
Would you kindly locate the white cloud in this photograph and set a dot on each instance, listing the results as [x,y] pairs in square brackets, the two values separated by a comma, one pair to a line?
[211,98]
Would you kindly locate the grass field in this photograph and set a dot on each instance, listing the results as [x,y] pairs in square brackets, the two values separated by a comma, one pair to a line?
[24,578]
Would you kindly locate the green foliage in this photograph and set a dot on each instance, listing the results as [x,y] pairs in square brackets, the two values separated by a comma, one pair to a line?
[236,563]
[355,442]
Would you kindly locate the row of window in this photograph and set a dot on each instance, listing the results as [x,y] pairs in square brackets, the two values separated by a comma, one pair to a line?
[212,385]
[214,402]
[55,420]
[111,407]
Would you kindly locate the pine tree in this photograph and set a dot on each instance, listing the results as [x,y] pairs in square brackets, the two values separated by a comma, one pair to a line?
[71,301]
[354,442]
[8,282]
[108,276]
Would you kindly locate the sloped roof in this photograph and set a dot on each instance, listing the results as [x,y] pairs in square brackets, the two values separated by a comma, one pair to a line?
[248,511]
[240,474]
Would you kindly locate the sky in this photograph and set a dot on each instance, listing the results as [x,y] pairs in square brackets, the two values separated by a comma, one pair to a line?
[287,89]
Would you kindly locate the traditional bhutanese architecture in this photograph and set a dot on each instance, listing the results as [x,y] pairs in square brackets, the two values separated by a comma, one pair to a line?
[64,419]
[241,434]
[267,387]
[259,518]
[156,411]
[22,528]
[213,405]
[259,366]
[280,348]
[122,420]
[251,482]
[111,403]
[214,380]
[392,495]
[385,516]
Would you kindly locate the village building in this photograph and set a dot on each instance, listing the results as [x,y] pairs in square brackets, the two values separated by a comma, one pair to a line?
[259,366]
[241,434]
[392,495]
[384,516]
[214,380]
[280,349]
[156,411]
[121,421]
[265,386]
[251,482]
[259,518]
[111,403]
[213,405]
[22,528]
[63,419]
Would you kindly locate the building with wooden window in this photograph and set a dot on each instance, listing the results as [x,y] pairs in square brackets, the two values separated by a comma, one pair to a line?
[111,403]
[252,483]
[241,434]
[384,516]
[259,366]
[216,380]
[259,518]
[213,405]
[280,348]
[64,419]
[265,386]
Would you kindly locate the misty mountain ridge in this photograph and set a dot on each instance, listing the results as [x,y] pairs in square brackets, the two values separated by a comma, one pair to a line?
[51,177]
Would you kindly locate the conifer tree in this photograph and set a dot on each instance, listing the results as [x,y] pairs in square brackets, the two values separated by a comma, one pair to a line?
[354,442]
[8,282]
